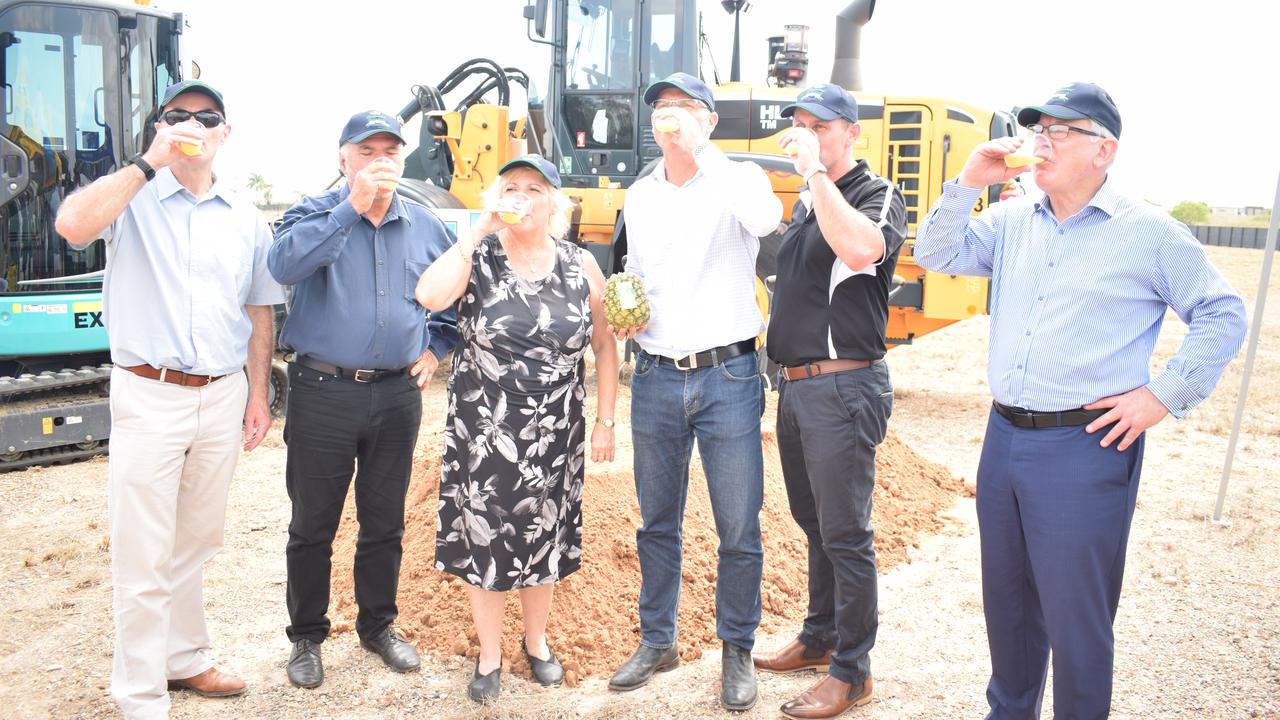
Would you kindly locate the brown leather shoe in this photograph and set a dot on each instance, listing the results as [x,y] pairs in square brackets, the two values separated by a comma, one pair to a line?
[828,698]
[793,657]
[211,683]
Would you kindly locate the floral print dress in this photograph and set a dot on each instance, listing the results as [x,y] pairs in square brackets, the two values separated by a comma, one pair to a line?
[510,511]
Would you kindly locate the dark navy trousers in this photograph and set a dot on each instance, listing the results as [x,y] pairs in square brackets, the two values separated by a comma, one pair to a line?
[1054,510]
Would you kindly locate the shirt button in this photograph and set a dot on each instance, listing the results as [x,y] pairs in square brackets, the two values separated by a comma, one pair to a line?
[1062,232]
[379,262]
[382,292]
[1050,264]
[1028,332]
[1019,367]
[382,323]
[1040,298]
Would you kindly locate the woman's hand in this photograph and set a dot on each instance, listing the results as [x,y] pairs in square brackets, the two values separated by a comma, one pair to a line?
[601,443]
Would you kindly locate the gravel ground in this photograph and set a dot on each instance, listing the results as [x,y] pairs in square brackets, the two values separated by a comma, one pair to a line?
[1197,633]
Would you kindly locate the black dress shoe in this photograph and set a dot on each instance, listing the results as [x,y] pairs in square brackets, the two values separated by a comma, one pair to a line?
[737,678]
[305,669]
[394,651]
[641,666]
[483,688]
[549,672]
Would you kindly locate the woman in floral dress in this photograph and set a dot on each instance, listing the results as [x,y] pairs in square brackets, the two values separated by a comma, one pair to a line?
[511,486]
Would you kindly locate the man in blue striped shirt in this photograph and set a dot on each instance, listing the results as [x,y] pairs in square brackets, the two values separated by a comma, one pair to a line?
[1080,280]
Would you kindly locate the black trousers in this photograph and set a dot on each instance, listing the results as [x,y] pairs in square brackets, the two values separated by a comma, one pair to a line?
[828,430]
[335,427]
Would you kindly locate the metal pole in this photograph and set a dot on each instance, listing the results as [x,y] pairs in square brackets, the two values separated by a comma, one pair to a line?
[1254,333]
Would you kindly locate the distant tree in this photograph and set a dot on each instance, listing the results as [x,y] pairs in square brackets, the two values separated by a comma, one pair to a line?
[1190,212]
[259,185]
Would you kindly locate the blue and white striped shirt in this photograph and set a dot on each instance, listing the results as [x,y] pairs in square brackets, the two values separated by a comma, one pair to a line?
[1076,306]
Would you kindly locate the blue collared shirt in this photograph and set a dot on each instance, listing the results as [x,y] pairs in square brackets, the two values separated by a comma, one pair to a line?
[1076,306]
[180,270]
[353,302]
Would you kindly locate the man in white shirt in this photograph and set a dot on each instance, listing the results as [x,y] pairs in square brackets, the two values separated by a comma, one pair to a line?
[693,232]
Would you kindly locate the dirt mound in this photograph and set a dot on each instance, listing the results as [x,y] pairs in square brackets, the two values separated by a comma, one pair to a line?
[594,620]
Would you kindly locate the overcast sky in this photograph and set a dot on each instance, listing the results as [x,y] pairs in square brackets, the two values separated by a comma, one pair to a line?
[1196,82]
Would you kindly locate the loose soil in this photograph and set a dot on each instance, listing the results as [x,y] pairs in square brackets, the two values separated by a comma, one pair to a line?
[1197,636]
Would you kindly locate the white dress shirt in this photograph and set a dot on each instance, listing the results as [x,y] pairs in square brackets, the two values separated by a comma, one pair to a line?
[694,248]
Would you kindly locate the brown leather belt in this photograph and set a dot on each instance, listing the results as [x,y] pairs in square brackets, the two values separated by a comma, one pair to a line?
[177,377]
[824,367]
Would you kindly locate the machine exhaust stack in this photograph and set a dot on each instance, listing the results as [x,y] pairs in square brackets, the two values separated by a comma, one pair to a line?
[847,70]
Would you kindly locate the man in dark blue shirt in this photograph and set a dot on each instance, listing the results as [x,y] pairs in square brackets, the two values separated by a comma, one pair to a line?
[363,347]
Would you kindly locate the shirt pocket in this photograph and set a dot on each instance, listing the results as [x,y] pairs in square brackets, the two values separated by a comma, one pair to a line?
[413,270]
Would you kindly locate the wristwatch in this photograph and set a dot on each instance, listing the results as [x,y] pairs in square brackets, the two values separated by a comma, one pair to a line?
[144,166]
[607,422]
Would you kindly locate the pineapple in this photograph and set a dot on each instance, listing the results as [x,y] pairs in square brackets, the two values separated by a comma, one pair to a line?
[625,305]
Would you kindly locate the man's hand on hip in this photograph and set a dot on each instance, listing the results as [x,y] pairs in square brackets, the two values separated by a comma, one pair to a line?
[423,368]
[1132,412]
[257,421]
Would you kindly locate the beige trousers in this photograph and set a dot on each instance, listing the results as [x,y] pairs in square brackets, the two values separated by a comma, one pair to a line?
[173,452]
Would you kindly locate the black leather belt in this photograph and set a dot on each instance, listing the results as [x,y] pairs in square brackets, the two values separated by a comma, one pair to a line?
[1034,420]
[362,376]
[709,358]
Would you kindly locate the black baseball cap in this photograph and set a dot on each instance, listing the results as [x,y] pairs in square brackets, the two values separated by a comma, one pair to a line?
[825,102]
[366,124]
[1077,101]
[197,86]
[685,83]
[536,162]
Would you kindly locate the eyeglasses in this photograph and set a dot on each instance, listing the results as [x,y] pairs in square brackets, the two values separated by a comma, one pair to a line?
[689,104]
[207,118]
[1060,132]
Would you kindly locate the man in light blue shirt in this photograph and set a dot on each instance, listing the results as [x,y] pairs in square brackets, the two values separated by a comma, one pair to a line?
[1081,278]
[187,301]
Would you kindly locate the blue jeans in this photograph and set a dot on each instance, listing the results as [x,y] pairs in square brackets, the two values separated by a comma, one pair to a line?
[720,407]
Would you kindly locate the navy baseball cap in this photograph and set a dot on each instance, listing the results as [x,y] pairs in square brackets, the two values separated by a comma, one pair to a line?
[196,86]
[1077,101]
[364,125]
[685,83]
[825,102]
[536,162]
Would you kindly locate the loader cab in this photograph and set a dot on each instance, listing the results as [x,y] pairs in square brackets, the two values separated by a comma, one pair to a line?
[81,82]
[606,52]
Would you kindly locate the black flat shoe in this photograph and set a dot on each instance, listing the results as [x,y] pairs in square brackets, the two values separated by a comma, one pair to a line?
[483,688]
[549,672]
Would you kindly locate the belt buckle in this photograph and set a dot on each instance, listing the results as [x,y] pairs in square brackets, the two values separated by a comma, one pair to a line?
[367,377]
[693,362]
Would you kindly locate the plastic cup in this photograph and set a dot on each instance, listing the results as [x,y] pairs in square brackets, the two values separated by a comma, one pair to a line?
[389,184]
[666,124]
[191,149]
[1024,155]
[792,150]
[511,218]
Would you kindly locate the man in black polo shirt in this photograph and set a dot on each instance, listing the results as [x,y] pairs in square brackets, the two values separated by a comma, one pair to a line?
[831,303]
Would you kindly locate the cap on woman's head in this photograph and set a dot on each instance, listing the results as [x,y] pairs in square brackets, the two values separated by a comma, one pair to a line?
[538,163]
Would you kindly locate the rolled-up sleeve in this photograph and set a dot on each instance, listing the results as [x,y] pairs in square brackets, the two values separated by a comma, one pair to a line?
[752,201]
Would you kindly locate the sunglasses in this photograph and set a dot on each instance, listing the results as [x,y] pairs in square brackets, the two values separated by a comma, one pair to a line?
[207,118]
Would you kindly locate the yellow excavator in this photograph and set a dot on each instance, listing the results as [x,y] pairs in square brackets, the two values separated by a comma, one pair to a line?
[594,126]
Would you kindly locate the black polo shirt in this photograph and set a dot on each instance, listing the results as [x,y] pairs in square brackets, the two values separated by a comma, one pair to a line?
[821,308]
